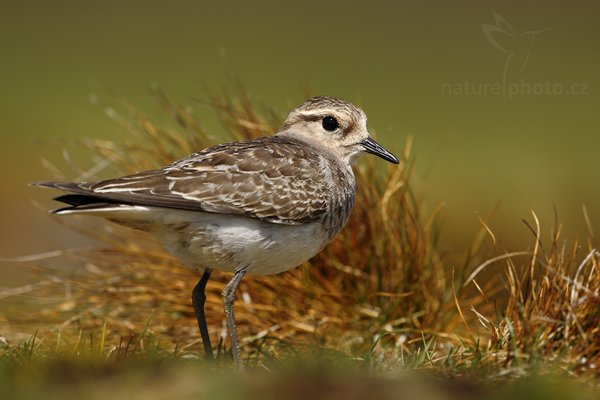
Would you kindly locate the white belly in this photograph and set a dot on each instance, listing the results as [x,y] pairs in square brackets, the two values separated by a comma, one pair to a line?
[225,242]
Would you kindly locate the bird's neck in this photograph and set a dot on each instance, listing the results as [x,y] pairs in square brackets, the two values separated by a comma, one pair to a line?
[334,155]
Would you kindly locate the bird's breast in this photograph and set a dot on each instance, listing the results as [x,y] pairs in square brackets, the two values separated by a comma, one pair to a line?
[342,193]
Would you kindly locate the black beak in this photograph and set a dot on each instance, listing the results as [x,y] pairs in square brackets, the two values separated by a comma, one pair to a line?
[373,147]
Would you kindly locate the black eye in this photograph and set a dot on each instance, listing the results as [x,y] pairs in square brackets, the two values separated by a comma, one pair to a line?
[330,123]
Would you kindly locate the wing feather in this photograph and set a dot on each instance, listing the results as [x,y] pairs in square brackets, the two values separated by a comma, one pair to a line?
[272,179]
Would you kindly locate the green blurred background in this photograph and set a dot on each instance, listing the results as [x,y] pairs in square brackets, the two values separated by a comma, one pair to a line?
[396,59]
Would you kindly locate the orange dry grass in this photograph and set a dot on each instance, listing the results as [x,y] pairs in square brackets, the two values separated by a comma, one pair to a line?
[381,288]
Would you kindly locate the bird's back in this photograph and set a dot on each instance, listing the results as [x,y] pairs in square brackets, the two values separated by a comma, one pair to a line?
[274,179]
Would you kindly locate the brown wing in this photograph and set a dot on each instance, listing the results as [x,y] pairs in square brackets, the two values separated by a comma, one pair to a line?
[272,179]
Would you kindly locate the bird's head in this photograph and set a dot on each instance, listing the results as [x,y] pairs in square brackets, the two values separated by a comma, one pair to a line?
[339,126]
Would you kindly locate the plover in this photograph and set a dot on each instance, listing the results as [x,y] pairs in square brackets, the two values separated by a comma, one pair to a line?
[255,207]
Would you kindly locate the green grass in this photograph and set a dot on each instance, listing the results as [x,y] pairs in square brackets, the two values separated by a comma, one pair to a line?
[84,369]
[36,369]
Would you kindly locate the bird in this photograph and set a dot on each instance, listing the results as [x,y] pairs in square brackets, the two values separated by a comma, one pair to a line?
[256,207]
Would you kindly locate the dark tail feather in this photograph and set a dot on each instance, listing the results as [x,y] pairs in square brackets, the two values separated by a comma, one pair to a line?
[82,200]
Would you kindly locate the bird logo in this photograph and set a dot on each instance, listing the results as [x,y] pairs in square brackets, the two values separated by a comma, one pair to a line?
[516,46]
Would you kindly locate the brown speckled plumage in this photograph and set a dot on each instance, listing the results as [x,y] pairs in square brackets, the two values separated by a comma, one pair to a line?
[276,179]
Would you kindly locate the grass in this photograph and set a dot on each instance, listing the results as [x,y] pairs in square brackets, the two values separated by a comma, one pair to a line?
[381,303]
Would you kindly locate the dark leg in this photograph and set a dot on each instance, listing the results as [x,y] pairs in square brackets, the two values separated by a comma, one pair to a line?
[228,300]
[198,299]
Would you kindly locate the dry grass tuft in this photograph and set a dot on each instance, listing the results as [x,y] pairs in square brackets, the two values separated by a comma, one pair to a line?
[381,294]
